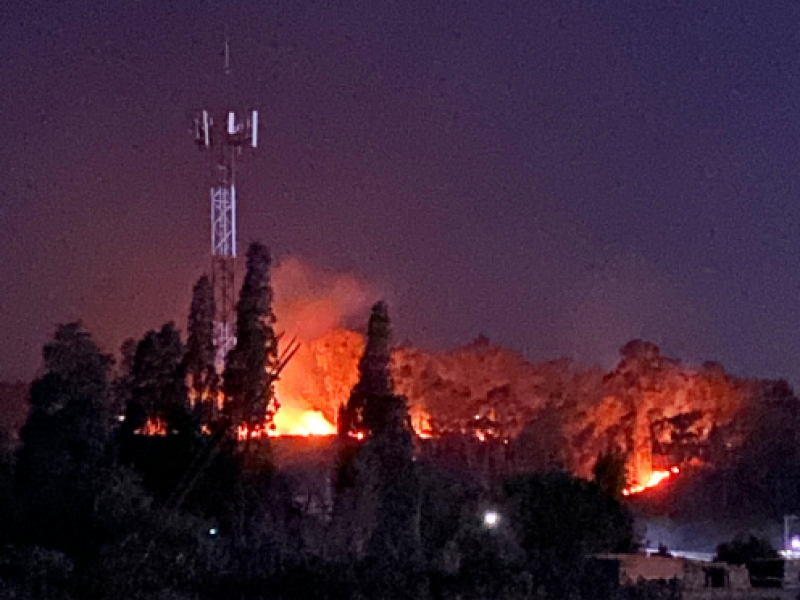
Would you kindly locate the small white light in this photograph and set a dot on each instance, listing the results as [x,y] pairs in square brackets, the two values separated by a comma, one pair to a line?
[491,518]
[213,531]
[795,543]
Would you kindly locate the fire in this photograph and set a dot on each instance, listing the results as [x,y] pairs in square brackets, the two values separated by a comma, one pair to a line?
[656,477]
[153,426]
[421,422]
[291,420]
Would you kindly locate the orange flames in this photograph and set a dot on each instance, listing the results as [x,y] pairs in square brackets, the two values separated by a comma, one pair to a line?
[656,477]
[153,426]
[291,420]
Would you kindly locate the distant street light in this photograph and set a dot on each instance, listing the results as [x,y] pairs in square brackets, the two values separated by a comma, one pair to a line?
[491,519]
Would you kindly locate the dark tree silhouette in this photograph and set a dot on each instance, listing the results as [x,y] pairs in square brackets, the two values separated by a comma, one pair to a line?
[251,364]
[366,408]
[200,351]
[378,486]
[158,389]
[609,473]
[559,520]
[64,440]
[744,549]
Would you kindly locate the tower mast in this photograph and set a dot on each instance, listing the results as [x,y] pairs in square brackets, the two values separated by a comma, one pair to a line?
[225,140]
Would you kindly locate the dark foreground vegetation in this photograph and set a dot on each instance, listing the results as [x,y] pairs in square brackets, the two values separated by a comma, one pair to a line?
[131,480]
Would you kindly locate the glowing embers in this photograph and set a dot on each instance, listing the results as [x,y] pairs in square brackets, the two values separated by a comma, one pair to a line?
[656,477]
[153,426]
[421,422]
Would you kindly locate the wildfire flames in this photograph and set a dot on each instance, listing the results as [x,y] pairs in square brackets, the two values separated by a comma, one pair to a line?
[290,420]
[655,410]
[656,477]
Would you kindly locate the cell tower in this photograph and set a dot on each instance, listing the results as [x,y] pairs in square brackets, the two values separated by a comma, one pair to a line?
[225,140]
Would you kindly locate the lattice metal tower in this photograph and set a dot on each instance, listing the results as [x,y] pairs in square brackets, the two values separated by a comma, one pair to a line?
[225,140]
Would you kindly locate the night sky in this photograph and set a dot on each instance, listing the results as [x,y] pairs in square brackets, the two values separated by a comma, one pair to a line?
[560,176]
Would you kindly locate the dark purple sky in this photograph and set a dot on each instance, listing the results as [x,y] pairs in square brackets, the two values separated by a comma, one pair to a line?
[562,176]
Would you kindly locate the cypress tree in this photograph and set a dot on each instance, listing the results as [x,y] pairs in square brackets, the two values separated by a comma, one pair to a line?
[200,351]
[365,410]
[250,366]
[377,480]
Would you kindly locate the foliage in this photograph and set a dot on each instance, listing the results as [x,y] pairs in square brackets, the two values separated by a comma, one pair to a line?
[62,460]
[378,486]
[449,499]
[754,460]
[251,364]
[200,351]
[368,402]
[95,515]
[166,555]
[560,519]
[35,572]
[85,527]
[650,590]
[609,473]
[158,388]
[744,549]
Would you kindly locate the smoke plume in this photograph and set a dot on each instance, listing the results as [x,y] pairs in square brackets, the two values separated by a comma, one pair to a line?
[318,306]
[310,301]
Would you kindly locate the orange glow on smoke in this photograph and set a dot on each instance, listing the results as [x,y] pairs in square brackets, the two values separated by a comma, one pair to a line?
[656,477]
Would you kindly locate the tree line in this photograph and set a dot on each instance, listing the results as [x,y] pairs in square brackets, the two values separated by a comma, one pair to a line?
[92,507]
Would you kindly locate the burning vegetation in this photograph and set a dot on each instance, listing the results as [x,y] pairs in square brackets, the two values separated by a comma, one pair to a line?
[662,415]
[481,400]
[455,470]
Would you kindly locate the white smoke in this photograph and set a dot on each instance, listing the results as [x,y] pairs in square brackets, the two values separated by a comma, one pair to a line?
[311,301]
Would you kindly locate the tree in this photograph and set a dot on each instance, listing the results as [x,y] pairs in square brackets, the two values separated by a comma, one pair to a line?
[122,385]
[763,563]
[609,473]
[744,549]
[389,453]
[251,365]
[158,389]
[200,351]
[559,520]
[64,441]
[366,408]
[379,490]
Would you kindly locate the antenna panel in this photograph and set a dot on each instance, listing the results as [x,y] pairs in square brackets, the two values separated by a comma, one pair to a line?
[254,130]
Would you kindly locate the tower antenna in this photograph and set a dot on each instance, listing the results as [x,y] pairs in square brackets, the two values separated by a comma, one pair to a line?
[225,139]
[227,51]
